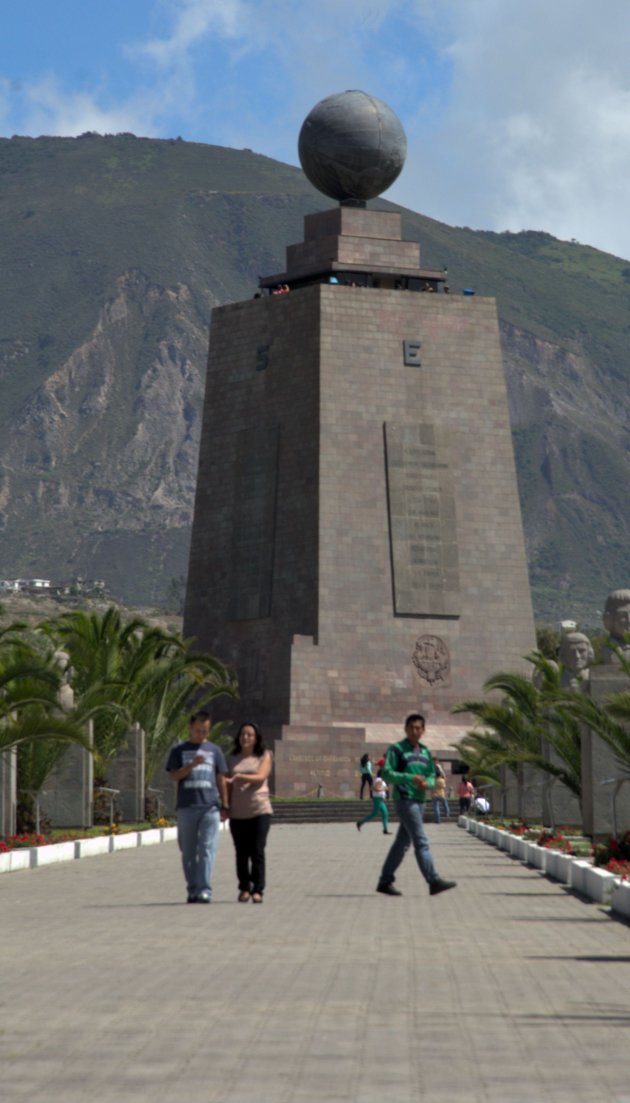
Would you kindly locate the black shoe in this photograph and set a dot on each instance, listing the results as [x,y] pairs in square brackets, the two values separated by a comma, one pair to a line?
[191,899]
[440,885]
[203,898]
[388,890]
[388,832]
[358,825]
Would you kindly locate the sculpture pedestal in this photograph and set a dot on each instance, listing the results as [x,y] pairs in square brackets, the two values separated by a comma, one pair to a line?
[8,792]
[68,795]
[599,765]
[126,773]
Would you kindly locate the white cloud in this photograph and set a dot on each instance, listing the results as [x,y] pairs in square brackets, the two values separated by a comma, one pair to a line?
[48,109]
[193,21]
[536,132]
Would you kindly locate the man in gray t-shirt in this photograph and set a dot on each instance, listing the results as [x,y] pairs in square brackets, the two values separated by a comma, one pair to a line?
[199,768]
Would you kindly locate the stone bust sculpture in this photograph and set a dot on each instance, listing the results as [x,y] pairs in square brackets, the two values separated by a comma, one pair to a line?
[66,692]
[617,623]
[576,655]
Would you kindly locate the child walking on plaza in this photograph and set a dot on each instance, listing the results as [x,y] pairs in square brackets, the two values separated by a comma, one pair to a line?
[379,806]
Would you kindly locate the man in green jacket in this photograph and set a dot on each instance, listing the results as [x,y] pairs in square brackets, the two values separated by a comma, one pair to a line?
[409,768]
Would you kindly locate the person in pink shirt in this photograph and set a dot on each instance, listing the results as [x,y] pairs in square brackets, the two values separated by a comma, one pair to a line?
[465,792]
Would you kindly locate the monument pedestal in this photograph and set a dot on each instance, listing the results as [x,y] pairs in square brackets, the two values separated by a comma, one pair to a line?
[560,806]
[67,799]
[601,771]
[318,761]
[126,773]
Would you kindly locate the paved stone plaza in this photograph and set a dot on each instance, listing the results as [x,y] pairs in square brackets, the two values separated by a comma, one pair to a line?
[507,989]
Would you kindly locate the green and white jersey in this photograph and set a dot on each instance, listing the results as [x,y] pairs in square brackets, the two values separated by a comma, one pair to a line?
[401,762]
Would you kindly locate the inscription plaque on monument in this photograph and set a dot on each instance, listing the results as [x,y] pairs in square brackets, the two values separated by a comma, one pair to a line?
[422,523]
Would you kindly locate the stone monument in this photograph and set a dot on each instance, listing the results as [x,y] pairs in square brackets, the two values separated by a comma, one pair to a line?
[67,798]
[576,655]
[559,804]
[66,692]
[357,549]
[617,623]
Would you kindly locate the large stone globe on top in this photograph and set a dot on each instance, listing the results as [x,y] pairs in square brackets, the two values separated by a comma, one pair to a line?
[352,147]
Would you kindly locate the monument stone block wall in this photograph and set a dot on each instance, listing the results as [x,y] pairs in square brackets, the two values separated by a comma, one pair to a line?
[262,384]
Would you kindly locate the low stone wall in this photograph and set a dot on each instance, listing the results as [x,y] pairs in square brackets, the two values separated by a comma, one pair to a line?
[67,851]
[580,876]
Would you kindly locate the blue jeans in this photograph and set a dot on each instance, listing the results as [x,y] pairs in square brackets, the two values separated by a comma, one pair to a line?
[437,801]
[198,838]
[411,831]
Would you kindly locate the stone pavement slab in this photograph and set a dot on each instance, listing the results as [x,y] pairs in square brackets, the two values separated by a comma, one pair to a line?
[506,989]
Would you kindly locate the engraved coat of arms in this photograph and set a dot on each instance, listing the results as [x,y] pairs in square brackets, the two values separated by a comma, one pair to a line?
[432,660]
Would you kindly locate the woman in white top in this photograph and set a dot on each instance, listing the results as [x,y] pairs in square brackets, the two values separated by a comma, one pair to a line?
[379,806]
[250,809]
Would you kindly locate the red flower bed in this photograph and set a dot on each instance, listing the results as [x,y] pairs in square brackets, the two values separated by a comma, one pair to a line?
[554,841]
[617,849]
[619,868]
[20,842]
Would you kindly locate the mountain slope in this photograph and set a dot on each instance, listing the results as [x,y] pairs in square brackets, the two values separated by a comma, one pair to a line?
[115,250]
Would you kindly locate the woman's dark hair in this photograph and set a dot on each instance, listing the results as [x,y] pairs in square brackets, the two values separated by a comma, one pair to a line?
[259,746]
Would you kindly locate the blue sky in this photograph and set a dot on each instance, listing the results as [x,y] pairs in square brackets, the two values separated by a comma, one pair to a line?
[517,112]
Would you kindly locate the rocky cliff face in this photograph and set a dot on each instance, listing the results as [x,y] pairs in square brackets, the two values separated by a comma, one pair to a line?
[572,451]
[102,457]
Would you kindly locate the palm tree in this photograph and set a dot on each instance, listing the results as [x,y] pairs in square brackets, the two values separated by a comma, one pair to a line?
[32,720]
[609,720]
[159,698]
[29,700]
[105,655]
[121,673]
[131,672]
[517,730]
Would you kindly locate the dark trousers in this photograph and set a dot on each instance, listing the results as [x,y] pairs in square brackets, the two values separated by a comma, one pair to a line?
[249,838]
[366,779]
